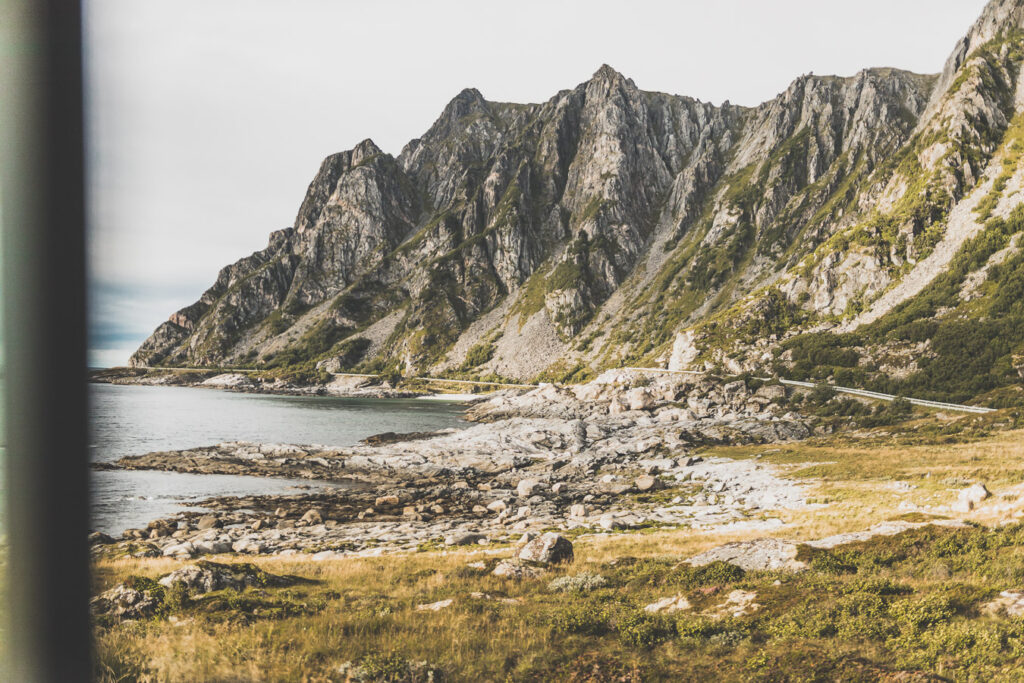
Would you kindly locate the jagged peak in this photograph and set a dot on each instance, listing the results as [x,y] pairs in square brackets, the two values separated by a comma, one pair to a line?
[365,149]
[807,83]
[998,17]
[468,100]
[607,73]
[469,95]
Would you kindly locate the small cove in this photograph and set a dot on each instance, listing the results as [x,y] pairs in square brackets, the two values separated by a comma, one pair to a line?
[133,420]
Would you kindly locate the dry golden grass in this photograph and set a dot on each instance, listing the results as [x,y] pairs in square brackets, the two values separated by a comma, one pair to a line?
[368,603]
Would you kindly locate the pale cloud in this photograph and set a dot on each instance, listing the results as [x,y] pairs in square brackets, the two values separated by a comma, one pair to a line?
[208,118]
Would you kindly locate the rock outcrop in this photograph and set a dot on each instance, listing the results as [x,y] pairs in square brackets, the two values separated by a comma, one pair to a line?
[611,224]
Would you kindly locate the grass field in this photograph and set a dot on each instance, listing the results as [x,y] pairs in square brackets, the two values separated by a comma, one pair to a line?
[907,607]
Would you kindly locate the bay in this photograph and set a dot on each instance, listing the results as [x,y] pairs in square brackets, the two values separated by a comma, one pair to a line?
[133,420]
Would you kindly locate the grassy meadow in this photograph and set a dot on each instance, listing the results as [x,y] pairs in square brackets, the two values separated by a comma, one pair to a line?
[910,607]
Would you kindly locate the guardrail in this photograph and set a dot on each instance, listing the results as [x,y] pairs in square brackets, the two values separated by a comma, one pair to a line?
[221,370]
[889,397]
[864,393]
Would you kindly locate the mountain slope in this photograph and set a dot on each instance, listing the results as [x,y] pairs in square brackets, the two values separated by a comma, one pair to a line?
[611,225]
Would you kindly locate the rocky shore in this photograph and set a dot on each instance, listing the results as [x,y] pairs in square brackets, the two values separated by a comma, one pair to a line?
[613,454]
[342,386]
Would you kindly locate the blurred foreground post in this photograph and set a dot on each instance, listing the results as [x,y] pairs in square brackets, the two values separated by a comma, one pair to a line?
[46,636]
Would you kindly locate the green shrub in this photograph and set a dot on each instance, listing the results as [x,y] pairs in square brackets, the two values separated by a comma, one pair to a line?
[580,583]
[712,574]
[581,617]
[392,667]
[643,630]
[916,616]
[277,323]
[478,355]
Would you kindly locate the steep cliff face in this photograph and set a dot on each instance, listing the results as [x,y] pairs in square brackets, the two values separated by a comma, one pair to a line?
[595,228]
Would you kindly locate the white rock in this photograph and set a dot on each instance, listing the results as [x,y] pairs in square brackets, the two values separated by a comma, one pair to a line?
[435,606]
[669,605]
[639,399]
[550,548]
[974,494]
[324,555]
[526,487]
[515,570]
[186,549]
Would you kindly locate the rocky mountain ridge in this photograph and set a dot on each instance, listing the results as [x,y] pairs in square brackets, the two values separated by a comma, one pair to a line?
[610,226]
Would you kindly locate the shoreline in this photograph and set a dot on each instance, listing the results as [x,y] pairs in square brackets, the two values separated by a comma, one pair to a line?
[342,386]
[612,455]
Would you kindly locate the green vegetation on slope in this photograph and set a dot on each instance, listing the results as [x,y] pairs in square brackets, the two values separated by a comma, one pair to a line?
[971,343]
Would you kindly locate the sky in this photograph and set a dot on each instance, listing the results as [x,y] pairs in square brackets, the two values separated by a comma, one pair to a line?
[207,119]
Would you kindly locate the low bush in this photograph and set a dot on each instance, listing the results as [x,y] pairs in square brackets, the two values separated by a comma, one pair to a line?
[643,630]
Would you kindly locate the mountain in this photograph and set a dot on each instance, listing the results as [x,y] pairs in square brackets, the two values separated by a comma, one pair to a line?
[807,236]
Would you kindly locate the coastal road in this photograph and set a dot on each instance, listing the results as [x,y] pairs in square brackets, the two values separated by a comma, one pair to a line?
[862,393]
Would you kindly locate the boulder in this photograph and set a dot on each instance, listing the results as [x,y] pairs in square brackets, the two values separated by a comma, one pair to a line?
[510,569]
[734,390]
[248,545]
[757,555]
[204,577]
[1009,603]
[464,538]
[676,603]
[738,603]
[435,606]
[185,549]
[146,550]
[312,517]
[214,547]
[526,487]
[230,379]
[386,501]
[550,548]
[617,406]
[125,603]
[972,495]
[526,538]
[639,399]
[646,483]
[208,522]
[100,538]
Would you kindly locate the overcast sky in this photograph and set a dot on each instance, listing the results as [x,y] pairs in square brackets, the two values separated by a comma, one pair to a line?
[208,118]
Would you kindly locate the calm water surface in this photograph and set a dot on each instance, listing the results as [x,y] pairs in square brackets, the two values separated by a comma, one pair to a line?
[132,420]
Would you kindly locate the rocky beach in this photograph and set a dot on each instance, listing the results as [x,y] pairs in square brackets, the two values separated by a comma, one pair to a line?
[348,386]
[613,454]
